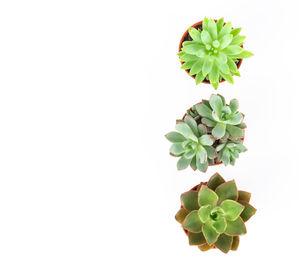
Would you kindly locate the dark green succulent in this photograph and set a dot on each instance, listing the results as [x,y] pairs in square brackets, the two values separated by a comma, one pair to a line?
[198,141]
[213,214]
[213,52]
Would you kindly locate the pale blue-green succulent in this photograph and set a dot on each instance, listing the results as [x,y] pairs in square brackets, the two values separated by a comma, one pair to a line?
[212,52]
[229,151]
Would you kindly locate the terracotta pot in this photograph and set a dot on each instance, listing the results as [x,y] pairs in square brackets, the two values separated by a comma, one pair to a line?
[180,46]
[191,108]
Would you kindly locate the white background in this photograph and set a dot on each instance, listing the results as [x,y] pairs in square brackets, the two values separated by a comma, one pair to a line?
[87,91]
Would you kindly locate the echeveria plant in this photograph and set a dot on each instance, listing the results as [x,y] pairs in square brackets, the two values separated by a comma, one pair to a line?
[213,214]
[213,51]
[210,133]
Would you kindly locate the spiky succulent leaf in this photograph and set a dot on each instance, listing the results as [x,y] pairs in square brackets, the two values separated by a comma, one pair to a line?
[232,209]
[215,181]
[192,222]
[248,211]
[236,227]
[181,214]
[224,243]
[227,190]
[213,51]
[206,196]
[189,200]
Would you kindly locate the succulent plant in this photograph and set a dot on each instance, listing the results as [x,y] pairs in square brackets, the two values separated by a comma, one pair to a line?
[222,117]
[213,52]
[213,214]
[201,140]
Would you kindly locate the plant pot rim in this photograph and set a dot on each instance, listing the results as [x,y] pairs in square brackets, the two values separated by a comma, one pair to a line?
[243,138]
[180,46]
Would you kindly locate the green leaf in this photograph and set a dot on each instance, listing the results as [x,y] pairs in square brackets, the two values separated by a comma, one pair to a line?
[201,166]
[220,24]
[177,149]
[219,130]
[204,212]
[205,247]
[205,37]
[214,74]
[226,191]
[233,50]
[238,40]
[209,233]
[211,152]
[207,66]
[195,34]
[236,119]
[189,200]
[243,54]
[206,196]
[204,111]
[224,243]
[235,242]
[227,77]
[225,41]
[234,105]
[175,137]
[234,131]
[232,209]
[212,29]
[225,156]
[192,124]
[244,196]
[192,222]
[201,155]
[193,163]
[205,24]
[215,85]
[186,131]
[208,122]
[216,103]
[235,31]
[225,30]
[196,68]
[188,57]
[199,78]
[183,163]
[219,225]
[248,212]
[206,140]
[187,65]
[196,239]
[181,214]
[215,181]
[232,65]
[193,48]
[202,129]
[236,227]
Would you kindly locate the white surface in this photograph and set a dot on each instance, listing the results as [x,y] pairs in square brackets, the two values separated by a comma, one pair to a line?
[87,91]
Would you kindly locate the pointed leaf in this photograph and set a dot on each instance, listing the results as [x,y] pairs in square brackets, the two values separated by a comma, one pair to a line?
[189,200]
[248,212]
[196,68]
[209,233]
[181,214]
[206,196]
[236,227]
[216,103]
[204,212]
[183,163]
[226,191]
[196,239]
[212,29]
[225,41]
[244,196]
[201,155]
[235,242]
[232,209]
[234,105]
[177,149]
[215,181]
[205,37]
[219,225]
[225,30]
[186,131]
[220,24]
[235,31]
[192,222]
[204,111]
[207,66]
[195,34]
[199,78]
[219,130]
[175,137]
[234,131]
[224,243]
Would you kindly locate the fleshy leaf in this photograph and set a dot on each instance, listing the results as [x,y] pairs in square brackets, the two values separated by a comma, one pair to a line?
[175,137]
[236,227]
[192,222]
[244,196]
[192,124]
[234,131]
[232,209]
[206,140]
[189,200]
[227,190]
[204,212]
[183,163]
[215,181]
[248,212]
[219,225]
[181,214]
[195,34]
[219,130]
[196,239]
[206,196]
[224,243]
[216,103]
[204,111]
[186,131]
[205,247]
[177,149]
[209,233]
[235,242]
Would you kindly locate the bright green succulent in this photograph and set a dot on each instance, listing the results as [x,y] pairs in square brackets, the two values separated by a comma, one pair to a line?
[222,117]
[198,141]
[213,51]
[229,151]
[213,214]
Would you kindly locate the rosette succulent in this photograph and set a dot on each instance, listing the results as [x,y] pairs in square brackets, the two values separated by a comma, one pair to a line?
[213,214]
[212,51]
[210,133]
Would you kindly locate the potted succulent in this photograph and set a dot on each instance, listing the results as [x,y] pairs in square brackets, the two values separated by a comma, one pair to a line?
[213,214]
[211,51]
[210,133]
